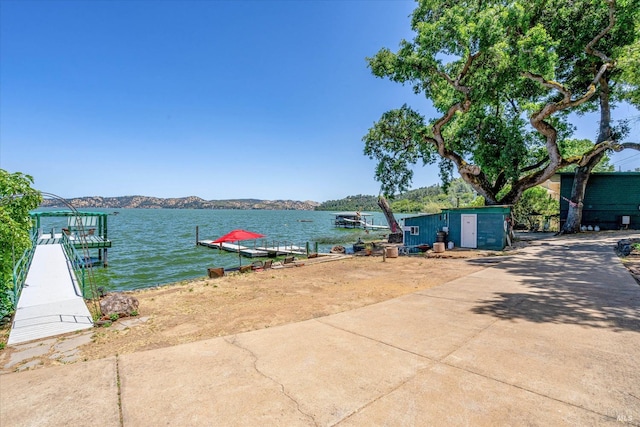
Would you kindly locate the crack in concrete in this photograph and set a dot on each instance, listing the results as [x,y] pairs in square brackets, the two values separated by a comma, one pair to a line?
[119,387]
[371,402]
[234,341]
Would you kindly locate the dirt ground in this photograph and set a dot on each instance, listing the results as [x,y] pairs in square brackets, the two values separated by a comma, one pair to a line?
[207,308]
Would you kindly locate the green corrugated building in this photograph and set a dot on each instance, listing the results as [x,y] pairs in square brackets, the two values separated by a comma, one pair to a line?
[611,200]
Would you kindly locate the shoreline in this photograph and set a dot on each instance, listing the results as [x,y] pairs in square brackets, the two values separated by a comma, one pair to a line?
[206,308]
[203,308]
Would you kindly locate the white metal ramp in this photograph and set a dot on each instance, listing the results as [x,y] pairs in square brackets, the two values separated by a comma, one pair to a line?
[50,303]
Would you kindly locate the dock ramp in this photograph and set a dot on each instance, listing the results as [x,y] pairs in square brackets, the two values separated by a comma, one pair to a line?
[50,303]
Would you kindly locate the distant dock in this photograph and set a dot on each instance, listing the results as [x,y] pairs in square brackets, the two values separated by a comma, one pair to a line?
[255,251]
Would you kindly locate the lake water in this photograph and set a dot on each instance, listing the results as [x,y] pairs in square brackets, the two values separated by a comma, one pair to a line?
[158,246]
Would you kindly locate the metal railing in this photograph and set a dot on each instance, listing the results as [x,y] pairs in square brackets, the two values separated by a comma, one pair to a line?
[77,263]
[282,247]
[21,268]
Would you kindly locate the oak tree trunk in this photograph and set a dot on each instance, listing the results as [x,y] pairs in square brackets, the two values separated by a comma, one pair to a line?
[396,233]
[582,173]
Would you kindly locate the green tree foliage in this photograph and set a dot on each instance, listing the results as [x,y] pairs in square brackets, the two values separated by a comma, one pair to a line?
[575,147]
[534,205]
[17,198]
[426,200]
[629,64]
[487,67]
[359,202]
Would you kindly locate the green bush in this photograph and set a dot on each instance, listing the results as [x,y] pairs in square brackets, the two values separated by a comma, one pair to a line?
[17,198]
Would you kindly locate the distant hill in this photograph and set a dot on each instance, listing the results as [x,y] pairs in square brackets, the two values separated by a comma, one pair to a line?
[426,199]
[191,202]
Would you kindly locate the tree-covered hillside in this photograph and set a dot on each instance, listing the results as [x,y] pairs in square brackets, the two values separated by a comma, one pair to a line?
[534,206]
[426,199]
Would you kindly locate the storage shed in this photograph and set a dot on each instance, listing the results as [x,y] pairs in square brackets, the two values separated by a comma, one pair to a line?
[476,227]
[611,200]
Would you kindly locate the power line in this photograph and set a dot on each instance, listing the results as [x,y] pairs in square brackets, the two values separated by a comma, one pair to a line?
[629,159]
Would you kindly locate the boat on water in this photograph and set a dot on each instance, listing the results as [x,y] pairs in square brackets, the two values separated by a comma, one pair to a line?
[356,219]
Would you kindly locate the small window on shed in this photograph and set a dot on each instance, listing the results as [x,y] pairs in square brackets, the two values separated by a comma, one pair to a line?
[415,230]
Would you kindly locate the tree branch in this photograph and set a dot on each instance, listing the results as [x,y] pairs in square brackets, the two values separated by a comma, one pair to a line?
[536,166]
[582,161]
[501,180]
[455,83]
[626,145]
[550,84]
[538,119]
[463,106]
[612,20]
[463,74]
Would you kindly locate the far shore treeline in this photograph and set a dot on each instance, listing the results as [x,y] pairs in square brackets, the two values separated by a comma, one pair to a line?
[426,199]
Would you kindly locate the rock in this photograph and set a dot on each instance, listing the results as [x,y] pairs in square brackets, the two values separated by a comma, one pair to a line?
[624,247]
[118,303]
[337,249]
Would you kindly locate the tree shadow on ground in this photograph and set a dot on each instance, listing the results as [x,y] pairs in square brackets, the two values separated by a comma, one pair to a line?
[569,282]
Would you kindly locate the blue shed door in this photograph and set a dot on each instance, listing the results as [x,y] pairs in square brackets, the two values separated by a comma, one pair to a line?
[469,234]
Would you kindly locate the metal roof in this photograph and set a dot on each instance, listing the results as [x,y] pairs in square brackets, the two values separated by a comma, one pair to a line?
[66,213]
[353,213]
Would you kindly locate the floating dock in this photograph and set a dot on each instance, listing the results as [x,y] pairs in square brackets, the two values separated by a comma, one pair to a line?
[356,220]
[256,251]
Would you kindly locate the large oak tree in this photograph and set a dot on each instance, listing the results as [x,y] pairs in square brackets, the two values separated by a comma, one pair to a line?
[579,57]
[504,79]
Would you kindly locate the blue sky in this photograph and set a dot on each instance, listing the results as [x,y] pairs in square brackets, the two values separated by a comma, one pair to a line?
[218,99]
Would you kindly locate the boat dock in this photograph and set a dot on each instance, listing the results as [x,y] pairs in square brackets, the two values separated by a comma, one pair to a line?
[51,280]
[256,251]
[356,220]
[51,302]
[85,230]
[89,242]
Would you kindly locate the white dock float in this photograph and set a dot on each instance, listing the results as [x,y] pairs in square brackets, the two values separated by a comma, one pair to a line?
[232,247]
[283,249]
[50,304]
[258,251]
